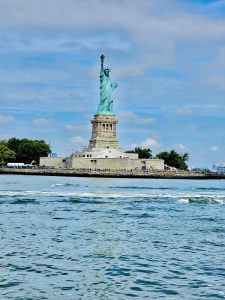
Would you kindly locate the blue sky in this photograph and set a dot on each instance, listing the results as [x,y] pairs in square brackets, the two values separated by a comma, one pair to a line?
[168,58]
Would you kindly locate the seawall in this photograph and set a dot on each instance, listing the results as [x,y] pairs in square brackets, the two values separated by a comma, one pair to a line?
[111,174]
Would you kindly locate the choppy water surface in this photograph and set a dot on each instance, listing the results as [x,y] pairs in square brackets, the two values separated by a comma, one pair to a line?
[86,238]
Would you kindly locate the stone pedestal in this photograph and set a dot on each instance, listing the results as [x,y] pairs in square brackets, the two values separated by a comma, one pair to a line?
[104,132]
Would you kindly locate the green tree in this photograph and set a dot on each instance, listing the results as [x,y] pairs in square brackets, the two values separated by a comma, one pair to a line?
[6,154]
[174,159]
[28,150]
[13,144]
[142,152]
[41,149]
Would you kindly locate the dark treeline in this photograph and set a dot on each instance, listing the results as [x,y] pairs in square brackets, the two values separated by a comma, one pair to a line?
[22,150]
[174,159]
[142,152]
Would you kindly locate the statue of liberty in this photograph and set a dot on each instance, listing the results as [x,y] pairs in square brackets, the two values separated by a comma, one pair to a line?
[106,89]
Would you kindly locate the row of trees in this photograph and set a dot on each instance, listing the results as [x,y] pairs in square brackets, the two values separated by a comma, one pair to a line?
[172,158]
[22,150]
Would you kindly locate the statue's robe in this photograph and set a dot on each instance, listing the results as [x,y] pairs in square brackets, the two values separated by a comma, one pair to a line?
[106,89]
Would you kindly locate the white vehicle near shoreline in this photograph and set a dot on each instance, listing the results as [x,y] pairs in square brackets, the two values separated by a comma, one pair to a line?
[15,165]
[18,165]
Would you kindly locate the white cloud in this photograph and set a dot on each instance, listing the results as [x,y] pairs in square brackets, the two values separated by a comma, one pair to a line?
[148,143]
[77,140]
[78,128]
[129,116]
[162,25]
[42,122]
[6,118]
[185,111]
[37,99]
[215,148]
[70,127]
[152,18]
[180,146]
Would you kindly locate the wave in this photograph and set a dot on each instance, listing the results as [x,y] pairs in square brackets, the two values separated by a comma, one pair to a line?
[141,188]
[80,200]
[9,284]
[202,200]
[25,201]
[64,184]
[209,189]
[13,194]
[191,197]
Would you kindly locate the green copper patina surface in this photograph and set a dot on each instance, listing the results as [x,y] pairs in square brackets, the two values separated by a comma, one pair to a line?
[106,88]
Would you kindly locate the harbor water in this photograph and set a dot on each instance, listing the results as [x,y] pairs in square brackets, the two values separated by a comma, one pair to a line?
[93,238]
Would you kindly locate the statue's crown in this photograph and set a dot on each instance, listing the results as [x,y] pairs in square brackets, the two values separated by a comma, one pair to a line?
[107,69]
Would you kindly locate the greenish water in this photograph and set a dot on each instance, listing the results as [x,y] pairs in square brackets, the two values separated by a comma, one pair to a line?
[87,238]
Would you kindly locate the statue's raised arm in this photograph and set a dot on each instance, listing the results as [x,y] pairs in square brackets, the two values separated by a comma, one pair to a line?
[106,88]
[102,62]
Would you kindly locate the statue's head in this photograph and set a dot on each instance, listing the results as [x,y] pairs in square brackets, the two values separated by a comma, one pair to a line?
[106,71]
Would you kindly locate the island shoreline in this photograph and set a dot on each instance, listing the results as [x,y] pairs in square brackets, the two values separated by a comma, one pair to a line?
[110,174]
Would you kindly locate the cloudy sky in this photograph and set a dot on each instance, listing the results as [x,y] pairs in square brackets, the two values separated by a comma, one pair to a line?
[168,57]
